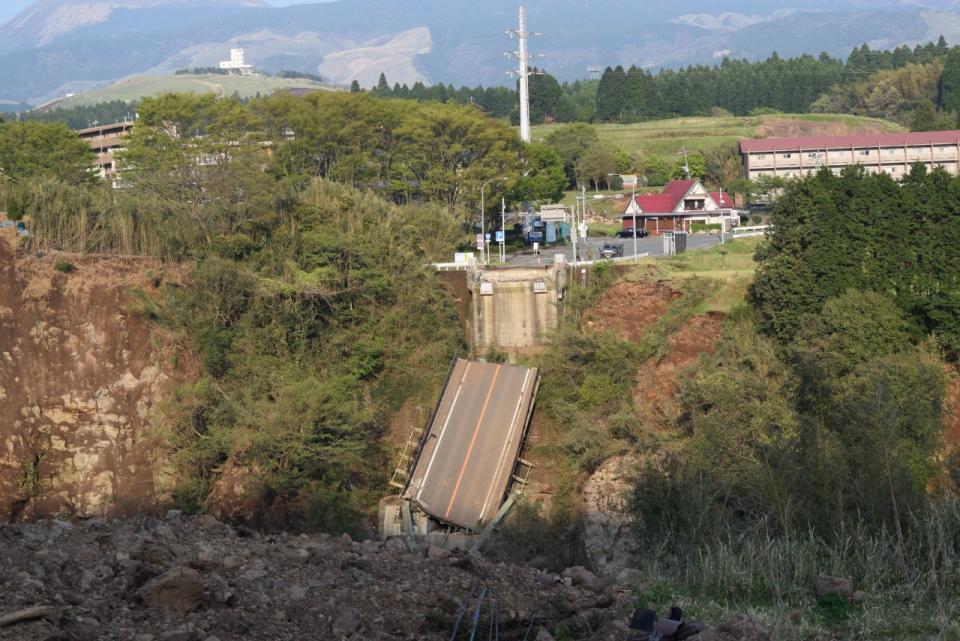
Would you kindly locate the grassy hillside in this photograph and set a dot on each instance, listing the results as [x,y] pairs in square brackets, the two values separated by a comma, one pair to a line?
[666,138]
[139,87]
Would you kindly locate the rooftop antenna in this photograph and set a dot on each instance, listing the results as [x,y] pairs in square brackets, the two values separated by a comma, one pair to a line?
[686,164]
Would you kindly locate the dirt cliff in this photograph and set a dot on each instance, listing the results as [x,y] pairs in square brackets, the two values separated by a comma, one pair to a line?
[79,375]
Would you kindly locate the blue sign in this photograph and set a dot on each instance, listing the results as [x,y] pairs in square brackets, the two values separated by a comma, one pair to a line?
[535,237]
[488,236]
[500,236]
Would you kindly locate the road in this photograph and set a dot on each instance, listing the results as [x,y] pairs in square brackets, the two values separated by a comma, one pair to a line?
[652,246]
[469,452]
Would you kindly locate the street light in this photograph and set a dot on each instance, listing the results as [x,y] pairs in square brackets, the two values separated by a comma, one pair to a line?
[483,230]
[633,201]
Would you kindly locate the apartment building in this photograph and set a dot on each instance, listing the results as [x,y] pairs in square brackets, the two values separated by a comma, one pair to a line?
[890,153]
[105,140]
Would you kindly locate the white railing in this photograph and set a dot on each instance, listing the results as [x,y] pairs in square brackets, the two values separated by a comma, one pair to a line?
[747,232]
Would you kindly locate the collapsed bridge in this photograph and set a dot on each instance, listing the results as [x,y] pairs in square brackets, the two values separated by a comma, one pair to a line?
[463,464]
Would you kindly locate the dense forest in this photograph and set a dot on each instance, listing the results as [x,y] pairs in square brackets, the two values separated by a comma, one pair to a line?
[739,87]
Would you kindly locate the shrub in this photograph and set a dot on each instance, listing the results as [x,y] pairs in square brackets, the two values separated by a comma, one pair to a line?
[701,227]
[64,267]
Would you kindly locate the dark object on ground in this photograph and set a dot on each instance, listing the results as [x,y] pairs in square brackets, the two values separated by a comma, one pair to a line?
[643,620]
[628,233]
[669,628]
[612,250]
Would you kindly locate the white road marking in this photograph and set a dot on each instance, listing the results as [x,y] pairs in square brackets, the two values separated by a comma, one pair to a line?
[443,430]
[506,443]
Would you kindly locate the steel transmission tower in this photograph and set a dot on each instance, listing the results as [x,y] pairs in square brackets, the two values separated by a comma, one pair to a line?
[523,72]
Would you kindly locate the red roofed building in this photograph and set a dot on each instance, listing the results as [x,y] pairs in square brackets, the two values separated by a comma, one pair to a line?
[681,204]
[890,153]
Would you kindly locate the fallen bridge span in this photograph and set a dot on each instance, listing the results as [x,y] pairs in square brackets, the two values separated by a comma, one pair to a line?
[467,455]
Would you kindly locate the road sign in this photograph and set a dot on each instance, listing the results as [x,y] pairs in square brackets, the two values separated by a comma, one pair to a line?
[500,236]
[479,241]
[583,230]
[488,236]
[536,248]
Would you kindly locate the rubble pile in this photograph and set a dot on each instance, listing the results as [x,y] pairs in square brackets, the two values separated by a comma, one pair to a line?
[197,579]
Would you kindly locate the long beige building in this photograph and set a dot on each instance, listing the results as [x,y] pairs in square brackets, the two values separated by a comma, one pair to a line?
[890,153]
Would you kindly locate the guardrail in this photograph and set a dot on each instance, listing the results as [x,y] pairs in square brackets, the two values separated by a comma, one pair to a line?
[451,267]
[618,259]
[747,232]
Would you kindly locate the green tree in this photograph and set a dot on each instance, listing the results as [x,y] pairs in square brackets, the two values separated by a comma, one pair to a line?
[31,149]
[571,142]
[694,164]
[355,87]
[543,178]
[949,87]
[596,162]
[383,87]
[655,170]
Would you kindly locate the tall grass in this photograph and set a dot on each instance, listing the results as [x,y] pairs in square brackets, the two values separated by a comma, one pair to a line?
[911,584]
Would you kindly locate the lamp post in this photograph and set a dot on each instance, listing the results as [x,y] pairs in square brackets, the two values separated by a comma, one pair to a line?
[483,230]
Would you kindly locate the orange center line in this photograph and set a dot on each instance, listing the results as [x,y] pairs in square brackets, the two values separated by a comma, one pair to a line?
[476,431]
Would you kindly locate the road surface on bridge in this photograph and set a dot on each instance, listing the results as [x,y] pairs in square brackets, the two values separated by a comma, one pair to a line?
[472,444]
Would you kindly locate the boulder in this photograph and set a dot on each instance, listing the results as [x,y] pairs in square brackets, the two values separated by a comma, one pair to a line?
[180,590]
[396,545]
[543,635]
[580,575]
[841,586]
[346,622]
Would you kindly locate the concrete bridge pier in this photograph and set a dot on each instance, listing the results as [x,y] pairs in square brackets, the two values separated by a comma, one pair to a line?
[514,307]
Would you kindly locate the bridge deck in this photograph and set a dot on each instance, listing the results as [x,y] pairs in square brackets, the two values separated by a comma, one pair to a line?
[472,444]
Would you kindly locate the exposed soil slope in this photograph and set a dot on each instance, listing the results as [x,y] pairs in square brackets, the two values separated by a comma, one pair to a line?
[629,308]
[79,375]
[658,380]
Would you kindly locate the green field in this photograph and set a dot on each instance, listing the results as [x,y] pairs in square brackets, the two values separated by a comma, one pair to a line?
[139,87]
[666,138]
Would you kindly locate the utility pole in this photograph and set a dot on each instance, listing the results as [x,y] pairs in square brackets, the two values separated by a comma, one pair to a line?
[503,230]
[722,222]
[573,229]
[523,72]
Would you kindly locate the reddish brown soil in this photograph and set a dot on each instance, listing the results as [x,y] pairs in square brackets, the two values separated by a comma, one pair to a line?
[630,308]
[80,373]
[658,381]
[952,413]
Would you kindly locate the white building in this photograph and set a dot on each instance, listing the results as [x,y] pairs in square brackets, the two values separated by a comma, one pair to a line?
[236,63]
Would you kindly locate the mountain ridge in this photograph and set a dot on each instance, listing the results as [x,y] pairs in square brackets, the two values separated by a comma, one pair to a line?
[47,51]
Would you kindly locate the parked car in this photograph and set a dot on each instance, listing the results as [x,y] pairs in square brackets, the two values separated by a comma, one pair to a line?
[612,250]
[618,196]
[598,196]
[628,232]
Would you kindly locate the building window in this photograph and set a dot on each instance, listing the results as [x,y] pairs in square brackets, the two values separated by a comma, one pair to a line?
[813,155]
[786,156]
[864,152]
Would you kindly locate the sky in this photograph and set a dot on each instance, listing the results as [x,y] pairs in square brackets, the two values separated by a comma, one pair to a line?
[10,8]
